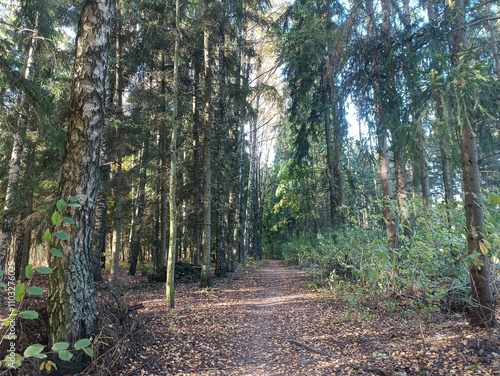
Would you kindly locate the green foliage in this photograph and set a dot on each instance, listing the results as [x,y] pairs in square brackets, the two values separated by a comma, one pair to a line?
[14,360]
[427,268]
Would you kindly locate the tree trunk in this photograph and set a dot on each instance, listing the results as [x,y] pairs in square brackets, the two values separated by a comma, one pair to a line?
[11,199]
[221,250]
[118,178]
[71,304]
[330,157]
[198,171]
[23,238]
[383,149]
[101,214]
[232,225]
[402,193]
[117,231]
[242,85]
[482,312]
[422,167]
[172,245]
[251,209]
[135,244]
[206,277]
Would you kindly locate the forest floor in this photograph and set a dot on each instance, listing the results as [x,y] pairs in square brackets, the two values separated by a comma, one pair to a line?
[269,320]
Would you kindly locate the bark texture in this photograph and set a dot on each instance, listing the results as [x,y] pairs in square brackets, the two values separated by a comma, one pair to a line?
[9,209]
[71,303]
[206,277]
[482,312]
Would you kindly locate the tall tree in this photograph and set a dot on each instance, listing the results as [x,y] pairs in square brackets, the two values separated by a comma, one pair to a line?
[172,245]
[221,250]
[135,242]
[19,133]
[206,276]
[117,107]
[71,304]
[483,312]
[380,83]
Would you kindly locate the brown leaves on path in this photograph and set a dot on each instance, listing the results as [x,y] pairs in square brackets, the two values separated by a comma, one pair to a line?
[266,321]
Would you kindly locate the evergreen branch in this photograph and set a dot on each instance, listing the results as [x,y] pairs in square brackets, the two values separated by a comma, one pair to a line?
[483,20]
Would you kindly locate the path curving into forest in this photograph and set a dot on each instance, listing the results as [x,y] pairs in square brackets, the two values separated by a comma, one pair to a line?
[267,321]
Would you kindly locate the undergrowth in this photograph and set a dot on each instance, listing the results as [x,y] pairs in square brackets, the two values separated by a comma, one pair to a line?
[427,272]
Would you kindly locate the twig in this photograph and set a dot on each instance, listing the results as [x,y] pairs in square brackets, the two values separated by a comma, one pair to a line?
[422,334]
[309,348]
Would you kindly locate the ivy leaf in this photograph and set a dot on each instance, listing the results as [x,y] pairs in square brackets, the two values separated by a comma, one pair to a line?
[56,252]
[85,342]
[65,355]
[19,292]
[68,220]
[59,346]
[29,271]
[2,285]
[56,218]
[61,234]
[33,290]
[88,351]
[28,315]
[44,270]
[47,236]
[34,351]
[61,205]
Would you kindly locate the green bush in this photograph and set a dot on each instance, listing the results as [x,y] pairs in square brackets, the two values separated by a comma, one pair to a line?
[428,267]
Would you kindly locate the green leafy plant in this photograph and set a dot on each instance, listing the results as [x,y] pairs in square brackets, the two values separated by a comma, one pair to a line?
[17,293]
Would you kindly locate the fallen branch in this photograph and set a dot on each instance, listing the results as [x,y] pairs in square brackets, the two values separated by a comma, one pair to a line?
[309,348]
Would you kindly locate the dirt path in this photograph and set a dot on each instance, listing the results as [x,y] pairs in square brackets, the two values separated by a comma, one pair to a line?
[265,321]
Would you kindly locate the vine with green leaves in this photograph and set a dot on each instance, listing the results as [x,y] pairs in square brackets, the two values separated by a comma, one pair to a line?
[16,295]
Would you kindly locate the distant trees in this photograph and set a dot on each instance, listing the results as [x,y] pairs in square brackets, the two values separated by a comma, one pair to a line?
[414,84]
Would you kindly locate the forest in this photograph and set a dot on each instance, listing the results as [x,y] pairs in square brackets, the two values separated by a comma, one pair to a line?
[162,151]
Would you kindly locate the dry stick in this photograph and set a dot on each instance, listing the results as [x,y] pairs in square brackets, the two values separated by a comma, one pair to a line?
[309,348]
[422,334]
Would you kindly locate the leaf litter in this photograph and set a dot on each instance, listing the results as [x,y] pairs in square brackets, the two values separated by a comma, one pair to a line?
[267,320]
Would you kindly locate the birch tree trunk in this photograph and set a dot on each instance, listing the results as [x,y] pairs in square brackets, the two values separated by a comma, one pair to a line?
[71,304]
